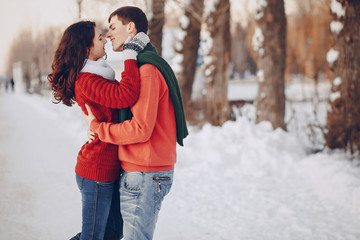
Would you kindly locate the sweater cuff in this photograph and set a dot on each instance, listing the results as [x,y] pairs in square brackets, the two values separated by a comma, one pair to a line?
[94,126]
[130,65]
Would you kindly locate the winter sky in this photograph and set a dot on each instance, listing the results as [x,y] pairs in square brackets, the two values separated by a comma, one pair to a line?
[35,14]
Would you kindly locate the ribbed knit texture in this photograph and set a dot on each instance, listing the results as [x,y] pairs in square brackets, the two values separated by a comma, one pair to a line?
[98,160]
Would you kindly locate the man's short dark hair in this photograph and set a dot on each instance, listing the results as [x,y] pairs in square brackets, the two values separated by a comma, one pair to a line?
[131,14]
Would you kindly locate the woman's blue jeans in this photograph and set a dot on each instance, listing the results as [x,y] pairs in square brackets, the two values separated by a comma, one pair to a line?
[97,198]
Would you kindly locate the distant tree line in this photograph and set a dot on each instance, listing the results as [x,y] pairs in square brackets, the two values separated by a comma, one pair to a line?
[34,51]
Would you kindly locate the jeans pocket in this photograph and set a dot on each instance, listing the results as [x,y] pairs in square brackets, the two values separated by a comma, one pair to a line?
[105,184]
[133,182]
[162,188]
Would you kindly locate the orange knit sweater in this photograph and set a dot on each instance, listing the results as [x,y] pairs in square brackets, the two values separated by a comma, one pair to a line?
[98,160]
[147,142]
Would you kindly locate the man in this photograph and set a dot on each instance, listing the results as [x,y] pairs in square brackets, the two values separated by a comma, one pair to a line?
[147,139]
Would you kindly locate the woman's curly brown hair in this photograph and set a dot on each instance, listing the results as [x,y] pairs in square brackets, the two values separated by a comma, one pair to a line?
[69,58]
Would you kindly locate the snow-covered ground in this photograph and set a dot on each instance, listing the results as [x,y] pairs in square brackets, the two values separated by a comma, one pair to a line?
[240,181]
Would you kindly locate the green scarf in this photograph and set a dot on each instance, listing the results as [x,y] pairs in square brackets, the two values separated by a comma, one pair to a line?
[149,55]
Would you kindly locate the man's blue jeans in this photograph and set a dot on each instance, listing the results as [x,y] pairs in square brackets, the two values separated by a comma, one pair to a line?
[141,195]
[97,198]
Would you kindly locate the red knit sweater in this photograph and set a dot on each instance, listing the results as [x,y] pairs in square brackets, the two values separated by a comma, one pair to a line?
[98,160]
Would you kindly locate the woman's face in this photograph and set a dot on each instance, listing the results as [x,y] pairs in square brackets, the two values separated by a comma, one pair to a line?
[97,50]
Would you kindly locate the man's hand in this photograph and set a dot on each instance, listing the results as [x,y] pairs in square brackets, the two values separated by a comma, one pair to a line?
[88,118]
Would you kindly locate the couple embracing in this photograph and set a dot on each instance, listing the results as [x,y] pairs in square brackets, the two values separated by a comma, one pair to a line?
[126,168]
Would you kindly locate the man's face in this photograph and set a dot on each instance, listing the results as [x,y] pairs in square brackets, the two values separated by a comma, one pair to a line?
[118,33]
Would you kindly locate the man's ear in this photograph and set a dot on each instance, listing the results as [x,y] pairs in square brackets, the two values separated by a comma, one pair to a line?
[131,29]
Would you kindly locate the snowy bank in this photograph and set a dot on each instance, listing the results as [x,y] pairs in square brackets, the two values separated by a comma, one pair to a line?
[239,181]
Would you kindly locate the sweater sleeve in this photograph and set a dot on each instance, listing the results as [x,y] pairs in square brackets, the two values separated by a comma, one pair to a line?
[139,129]
[111,94]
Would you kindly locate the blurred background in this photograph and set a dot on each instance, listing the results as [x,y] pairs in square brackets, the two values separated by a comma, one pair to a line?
[220,50]
[32,30]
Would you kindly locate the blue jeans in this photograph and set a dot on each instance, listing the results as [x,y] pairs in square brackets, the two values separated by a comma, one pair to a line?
[141,195]
[97,200]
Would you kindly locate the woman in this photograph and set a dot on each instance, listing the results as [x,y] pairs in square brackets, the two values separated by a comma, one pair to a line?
[79,73]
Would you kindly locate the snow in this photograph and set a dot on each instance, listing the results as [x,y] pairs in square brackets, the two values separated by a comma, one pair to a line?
[257,41]
[179,37]
[208,71]
[207,44]
[174,56]
[262,4]
[336,26]
[186,2]
[239,181]
[260,76]
[177,57]
[337,81]
[206,47]
[208,60]
[334,95]
[177,60]
[245,90]
[262,95]
[299,90]
[337,8]
[184,22]
[170,36]
[149,11]
[209,6]
[332,55]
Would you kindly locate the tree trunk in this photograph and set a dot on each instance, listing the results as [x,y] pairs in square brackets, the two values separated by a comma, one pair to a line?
[187,49]
[343,120]
[216,62]
[270,43]
[156,23]
[79,3]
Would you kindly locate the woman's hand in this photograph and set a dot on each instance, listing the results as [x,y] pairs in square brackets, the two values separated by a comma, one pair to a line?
[88,118]
[91,135]
[135,45]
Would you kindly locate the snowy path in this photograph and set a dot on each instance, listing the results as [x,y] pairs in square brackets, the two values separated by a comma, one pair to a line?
[38,195]
[241,181]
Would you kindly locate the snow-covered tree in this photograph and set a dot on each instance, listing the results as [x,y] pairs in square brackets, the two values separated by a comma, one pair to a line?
[156,18]
[216,49]
[186,48]
[343,120]
[269,41]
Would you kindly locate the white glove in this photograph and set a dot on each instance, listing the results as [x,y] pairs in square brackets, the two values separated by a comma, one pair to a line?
[133,46]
